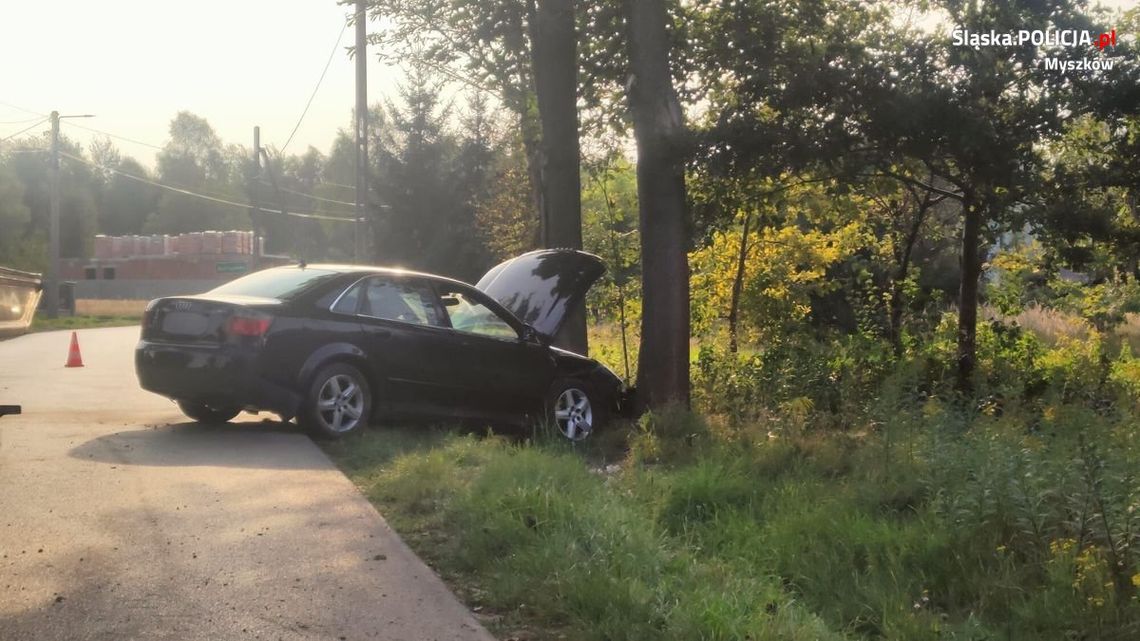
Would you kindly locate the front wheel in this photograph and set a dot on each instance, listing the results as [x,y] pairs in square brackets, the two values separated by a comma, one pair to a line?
[573,408]
[204,413]
[338,402]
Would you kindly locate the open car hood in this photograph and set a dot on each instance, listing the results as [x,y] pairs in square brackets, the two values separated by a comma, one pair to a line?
[541,287]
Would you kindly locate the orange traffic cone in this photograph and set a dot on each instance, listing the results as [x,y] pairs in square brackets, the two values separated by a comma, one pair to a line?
[74,358]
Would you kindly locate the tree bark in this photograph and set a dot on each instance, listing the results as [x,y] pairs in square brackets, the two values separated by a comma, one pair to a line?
[555,63]
[658,123]
[968,294]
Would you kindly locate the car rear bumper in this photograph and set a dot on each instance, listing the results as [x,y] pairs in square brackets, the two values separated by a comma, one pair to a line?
[216,375]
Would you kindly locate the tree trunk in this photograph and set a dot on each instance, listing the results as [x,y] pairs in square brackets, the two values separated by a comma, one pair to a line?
[663,360]
[555,63]
[532,147]
[968,294]
[897,303]
[737,287]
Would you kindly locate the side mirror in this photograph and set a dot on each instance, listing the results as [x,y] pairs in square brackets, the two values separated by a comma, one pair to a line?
[531,335]
[449,301]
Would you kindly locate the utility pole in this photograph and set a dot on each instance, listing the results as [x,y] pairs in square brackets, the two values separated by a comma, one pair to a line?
[254,193]
[53,224]
[361,122]
[52,280]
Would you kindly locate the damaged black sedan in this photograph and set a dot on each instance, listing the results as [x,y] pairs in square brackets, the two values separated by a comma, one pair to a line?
[336,346]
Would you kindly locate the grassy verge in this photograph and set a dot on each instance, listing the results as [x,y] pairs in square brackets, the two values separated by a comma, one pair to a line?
[81,322]
[90,314]
[927,528]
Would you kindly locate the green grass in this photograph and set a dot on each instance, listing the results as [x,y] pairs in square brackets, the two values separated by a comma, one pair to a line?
[896,514]
[40,324]
[672,530]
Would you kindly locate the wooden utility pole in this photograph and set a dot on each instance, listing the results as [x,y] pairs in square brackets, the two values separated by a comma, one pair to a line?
[361,54]
[51,282]
[52,279]
[255,192]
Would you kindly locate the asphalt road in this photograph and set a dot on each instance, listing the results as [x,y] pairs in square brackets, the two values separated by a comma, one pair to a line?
[121,520]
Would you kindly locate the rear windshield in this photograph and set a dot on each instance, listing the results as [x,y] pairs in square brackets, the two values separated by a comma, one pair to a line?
[282,283]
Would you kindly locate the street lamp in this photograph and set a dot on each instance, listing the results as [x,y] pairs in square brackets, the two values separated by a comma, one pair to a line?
[52,280]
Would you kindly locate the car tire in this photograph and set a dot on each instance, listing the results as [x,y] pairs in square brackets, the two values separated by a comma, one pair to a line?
[338,402]
[204,413]
[574,409]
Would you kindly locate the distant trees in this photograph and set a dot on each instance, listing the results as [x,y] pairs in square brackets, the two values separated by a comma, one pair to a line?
[526,54]
[428,178]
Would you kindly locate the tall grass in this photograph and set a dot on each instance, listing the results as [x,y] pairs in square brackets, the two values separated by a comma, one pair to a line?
[825,491]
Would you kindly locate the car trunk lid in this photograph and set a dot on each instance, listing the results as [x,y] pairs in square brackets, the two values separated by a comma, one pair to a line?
[542,287]
[206,319]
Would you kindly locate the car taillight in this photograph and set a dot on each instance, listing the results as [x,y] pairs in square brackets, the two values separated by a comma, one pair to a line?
[248,325]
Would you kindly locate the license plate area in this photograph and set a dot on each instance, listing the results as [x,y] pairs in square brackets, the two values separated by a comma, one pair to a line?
[185,324]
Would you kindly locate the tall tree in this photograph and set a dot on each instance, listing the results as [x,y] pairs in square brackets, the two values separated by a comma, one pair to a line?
[554,52]
[659,128]
[124,203]
[196,160]
[525,51]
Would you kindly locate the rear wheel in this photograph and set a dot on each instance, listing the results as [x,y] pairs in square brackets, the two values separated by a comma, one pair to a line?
[574,409]
[338,402]
[205,413]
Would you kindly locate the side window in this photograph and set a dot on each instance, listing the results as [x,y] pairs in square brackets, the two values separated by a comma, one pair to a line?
[469,315]
[347,304]
[342,303]
[407,302]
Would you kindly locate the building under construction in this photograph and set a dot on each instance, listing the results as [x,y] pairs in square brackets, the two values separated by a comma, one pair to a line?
[144,267]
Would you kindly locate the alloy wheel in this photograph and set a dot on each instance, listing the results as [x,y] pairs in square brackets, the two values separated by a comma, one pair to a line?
[340,403]
[573,414]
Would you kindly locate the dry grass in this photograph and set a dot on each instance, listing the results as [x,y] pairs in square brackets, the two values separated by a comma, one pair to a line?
[1129,331]
[1047,323]
[94,307]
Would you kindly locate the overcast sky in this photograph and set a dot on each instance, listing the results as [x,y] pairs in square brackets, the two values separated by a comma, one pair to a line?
[135,63]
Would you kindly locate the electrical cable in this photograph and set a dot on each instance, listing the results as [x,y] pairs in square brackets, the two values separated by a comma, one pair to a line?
[19,108]
[316,88]
[187,192]
[303,194]
[20,122]
[106,133]
[33,126]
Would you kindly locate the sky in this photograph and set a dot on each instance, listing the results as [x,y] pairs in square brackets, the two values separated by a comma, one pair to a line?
[135,63]
[237,63]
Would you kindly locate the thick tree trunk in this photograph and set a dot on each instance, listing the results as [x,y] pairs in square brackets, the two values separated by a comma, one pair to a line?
[532,147]
[663,360]
[968,294]
[554,52]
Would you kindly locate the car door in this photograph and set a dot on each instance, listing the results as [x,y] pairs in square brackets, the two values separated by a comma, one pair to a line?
[501,374]
[404,331]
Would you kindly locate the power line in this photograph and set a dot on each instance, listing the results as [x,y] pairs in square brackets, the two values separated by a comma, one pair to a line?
[303,194]
[106,133]
[33,126]
[20,122]
[332,54]
[19,108]
[186,192]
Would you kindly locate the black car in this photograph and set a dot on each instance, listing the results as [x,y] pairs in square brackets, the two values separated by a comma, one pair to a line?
[336,345]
